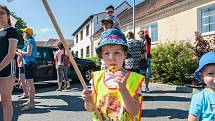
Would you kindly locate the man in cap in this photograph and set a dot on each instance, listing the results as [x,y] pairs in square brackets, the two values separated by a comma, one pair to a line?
[110,13]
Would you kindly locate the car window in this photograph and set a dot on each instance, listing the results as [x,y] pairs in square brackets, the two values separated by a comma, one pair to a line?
[39,56]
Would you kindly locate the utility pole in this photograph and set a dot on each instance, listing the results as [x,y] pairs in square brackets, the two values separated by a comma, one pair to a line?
[134,16]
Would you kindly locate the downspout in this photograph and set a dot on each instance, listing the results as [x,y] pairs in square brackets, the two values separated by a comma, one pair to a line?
[91,38]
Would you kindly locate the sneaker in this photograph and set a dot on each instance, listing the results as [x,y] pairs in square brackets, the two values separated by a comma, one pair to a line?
[67,88]
[147,90]
[58,89]
[28,107]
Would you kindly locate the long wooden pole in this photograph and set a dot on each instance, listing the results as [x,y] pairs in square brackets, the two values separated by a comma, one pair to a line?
[45,3]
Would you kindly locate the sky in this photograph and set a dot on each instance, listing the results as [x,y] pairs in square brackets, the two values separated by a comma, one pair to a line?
[70,14]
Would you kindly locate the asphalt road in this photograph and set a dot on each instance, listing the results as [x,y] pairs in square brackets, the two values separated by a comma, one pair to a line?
[164,103]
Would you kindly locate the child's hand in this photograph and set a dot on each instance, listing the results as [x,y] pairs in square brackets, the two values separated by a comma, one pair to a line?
[120,78]
[87,96]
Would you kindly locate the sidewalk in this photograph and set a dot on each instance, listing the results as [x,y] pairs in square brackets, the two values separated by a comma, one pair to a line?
[166,102]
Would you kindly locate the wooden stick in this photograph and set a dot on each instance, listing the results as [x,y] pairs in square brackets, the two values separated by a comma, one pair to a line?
[45,3]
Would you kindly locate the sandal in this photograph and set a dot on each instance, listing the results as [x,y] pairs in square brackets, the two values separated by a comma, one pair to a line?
[28,107]
[25,104]
[22,97]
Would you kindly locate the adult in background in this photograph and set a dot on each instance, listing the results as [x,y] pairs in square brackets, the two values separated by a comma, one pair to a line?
[136,50]
[110,13]
[8,42]
[144,36]
[60,67]
[29,52]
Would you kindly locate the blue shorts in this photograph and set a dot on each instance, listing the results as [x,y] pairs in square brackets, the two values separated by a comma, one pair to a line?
[30,70]
[9,70]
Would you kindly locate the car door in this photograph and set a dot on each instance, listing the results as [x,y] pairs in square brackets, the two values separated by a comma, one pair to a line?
[45,64]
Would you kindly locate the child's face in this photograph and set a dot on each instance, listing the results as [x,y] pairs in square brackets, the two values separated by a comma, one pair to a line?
[113,55]
[208,75]
[107,25]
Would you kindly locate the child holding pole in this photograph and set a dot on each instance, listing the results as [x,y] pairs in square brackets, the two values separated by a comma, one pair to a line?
[115,91]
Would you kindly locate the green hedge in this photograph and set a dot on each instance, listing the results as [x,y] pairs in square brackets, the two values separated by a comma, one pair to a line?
[97,60]
[173,63]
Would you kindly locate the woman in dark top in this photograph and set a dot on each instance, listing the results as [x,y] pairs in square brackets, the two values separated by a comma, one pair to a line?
[8,43]
[136,51]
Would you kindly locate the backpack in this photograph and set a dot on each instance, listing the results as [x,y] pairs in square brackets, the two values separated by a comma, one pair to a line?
[66,60]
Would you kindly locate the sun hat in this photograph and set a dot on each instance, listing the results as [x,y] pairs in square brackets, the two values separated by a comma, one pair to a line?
[28,30]
[208,58]
[112,36]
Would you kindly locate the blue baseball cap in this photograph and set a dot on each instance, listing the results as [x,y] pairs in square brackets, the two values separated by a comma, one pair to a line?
[208,58]
[112,36]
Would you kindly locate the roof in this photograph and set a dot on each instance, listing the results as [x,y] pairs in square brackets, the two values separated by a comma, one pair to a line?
[91,17]
[41,43]
[54,42]
[145,8]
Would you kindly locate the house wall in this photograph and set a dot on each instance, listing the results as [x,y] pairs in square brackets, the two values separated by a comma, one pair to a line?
[82,44]
[177,22]
[94,26]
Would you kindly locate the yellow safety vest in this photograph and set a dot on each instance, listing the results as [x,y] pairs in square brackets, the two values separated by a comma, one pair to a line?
[109,101]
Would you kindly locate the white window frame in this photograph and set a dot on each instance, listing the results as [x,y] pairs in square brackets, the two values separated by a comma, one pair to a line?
[199,19]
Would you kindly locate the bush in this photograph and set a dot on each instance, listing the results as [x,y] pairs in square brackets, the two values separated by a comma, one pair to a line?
[173,63]
[97,60]
[202,44]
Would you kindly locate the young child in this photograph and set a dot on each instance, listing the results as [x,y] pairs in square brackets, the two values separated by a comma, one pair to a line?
[202,107]
[116,92]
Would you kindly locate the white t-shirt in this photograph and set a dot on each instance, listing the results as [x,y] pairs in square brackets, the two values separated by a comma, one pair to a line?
[59,56]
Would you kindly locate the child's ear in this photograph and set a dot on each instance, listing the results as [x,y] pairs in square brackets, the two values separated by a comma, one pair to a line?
[126,55]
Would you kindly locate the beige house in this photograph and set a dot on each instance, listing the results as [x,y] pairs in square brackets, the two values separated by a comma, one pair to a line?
[171,20]
[84,46]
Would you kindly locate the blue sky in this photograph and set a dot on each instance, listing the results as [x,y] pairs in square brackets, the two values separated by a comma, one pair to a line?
[70,14]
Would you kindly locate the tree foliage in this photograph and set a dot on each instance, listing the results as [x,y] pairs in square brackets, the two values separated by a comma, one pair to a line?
[20,24]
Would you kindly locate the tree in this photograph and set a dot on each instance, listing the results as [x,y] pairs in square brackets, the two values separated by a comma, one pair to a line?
[20,24]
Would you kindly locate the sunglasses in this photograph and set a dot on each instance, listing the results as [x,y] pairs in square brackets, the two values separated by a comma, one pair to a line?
[109,11]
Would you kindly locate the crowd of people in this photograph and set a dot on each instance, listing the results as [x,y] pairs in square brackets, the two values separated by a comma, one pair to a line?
[116,90]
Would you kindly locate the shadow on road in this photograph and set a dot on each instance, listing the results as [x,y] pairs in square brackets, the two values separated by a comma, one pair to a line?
[71,105]
[74,103]
[166,98]
[160,112]
[17,110]
[166,91]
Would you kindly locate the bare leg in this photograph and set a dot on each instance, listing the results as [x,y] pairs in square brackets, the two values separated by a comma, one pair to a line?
[23,83]
[31,91]
[6,88]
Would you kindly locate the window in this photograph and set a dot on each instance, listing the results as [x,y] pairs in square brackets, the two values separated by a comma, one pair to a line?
[76,53]
[82,35]
[153,31]
[207,19]
[76,38]
[87,30]
[97,19]
[82,53]
[88,51]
